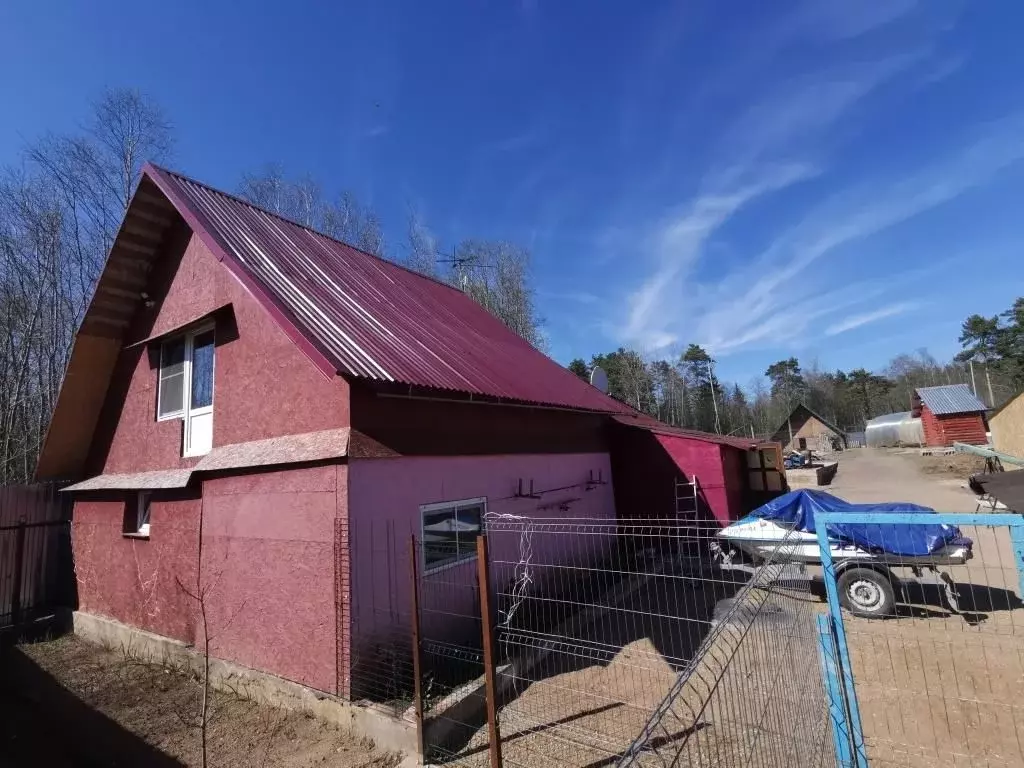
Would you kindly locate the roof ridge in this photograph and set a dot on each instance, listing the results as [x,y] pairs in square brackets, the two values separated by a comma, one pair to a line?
[293,222]
[814,413]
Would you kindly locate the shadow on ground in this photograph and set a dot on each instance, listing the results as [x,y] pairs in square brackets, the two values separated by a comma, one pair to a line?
[43,724]
[563,631]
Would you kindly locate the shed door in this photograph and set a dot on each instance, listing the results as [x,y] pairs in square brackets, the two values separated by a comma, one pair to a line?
[764,468]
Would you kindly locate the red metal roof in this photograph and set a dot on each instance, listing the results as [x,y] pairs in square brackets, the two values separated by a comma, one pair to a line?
[367,317]
[642,421]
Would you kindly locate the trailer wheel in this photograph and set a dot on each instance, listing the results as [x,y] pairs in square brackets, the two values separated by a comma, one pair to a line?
[866,592]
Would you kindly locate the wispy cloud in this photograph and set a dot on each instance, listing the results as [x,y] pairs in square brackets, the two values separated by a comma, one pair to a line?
[840,20]
[856,321]
[756,303]
[678,242]
[801,107]
[766,150]
[579,297]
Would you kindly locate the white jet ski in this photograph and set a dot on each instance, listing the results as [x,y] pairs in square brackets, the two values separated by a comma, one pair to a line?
[762,539]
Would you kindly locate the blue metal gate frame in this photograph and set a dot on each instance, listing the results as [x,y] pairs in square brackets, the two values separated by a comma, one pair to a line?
[849,735]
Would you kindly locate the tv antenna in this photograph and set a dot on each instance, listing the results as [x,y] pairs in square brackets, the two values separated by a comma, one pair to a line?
[459,264]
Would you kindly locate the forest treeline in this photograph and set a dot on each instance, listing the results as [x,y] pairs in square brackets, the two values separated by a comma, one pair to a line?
[63,199]
[684,391]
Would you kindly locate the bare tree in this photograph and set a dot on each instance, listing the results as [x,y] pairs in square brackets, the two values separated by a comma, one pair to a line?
[302,200]
[422,246]
[60,208]
[496,274]
[347,219]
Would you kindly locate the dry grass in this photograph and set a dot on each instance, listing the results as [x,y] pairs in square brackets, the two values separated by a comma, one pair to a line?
[76,704]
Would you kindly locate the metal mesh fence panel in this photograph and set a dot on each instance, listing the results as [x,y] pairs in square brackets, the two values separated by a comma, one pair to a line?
[626,643]
[936,642]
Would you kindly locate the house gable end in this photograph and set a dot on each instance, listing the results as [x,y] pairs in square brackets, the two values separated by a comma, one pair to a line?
[105,414]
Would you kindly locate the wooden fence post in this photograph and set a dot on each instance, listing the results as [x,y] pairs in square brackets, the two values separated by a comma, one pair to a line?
[417,672]
[484,581]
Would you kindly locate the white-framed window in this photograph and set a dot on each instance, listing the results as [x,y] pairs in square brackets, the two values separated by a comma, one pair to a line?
[136,518]
[185,386]
[449,531]
[170,400]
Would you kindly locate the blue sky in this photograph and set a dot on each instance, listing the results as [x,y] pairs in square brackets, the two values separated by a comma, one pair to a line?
[836,180]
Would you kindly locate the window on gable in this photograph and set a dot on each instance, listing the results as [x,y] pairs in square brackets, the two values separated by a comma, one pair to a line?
[185,389]
[202,370]
[450,531]
[171,397]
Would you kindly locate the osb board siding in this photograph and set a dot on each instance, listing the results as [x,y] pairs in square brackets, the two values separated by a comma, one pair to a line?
[342,585]
[646,467]
[286,449]
[263,385]
[269,554]
[438,428]
[137,581]
[385,496]
[644,474]
[705,461]
[320,479]
[1008,429]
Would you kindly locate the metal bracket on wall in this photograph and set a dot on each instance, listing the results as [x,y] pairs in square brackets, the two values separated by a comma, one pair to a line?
[592,483]
[528,495]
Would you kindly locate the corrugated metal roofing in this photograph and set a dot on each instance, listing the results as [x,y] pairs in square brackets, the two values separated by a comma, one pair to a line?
[950,398]
[371,318]
[659,428]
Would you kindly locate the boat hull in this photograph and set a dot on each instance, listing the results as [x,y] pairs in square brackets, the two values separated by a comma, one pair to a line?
[767,540]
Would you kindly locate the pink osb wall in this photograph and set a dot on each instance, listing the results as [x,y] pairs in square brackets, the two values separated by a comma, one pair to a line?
[719,475]
[264,386]
[269,574]
[269,568]
[136,580]
[385,496]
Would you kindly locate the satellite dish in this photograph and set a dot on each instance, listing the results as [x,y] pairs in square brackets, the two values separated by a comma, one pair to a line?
[599,378]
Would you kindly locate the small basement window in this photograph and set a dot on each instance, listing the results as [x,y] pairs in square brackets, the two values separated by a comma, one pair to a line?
[450,530]
[136,514]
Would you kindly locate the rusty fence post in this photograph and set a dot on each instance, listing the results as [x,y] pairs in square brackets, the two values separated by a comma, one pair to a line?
[484,581]
[417,669]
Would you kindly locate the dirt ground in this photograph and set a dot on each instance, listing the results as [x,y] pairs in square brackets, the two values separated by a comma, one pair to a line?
[938,688]
[877,475]
[67,703]
[959,465]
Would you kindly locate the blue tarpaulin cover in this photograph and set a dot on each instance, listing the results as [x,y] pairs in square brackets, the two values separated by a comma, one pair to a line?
[911,539]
